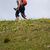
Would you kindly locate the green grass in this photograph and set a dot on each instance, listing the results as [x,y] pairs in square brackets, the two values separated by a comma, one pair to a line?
[25,34]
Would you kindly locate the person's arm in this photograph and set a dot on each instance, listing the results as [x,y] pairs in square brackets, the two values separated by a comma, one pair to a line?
[19,1]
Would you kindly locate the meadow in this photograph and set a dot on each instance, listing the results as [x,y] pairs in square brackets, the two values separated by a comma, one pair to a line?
[25,34]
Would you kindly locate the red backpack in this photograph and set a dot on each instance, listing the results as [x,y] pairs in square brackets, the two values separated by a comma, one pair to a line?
[25,2]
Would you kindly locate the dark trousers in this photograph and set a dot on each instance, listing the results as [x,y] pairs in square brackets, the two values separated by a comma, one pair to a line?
[21,10]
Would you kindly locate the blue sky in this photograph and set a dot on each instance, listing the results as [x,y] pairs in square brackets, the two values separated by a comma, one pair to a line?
[34,9]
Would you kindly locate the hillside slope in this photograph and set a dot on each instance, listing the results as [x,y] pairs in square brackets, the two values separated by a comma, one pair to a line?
[25,35]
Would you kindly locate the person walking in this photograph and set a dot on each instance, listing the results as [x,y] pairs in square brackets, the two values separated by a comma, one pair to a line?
[20,8]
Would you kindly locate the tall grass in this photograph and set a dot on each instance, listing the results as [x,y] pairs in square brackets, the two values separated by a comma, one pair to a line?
[25,35]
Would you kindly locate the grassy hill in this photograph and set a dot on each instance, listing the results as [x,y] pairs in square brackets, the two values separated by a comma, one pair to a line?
[25,35]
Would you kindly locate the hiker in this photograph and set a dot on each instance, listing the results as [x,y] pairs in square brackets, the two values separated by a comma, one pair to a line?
[20,8]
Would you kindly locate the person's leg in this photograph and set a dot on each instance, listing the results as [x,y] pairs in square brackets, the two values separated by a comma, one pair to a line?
[17,15]
[23,15]
[22,10]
